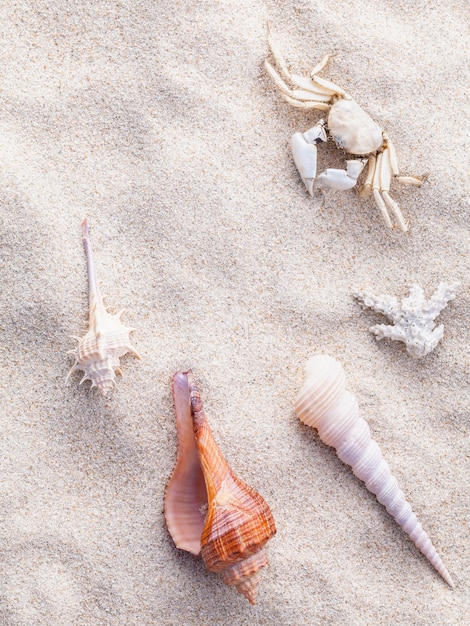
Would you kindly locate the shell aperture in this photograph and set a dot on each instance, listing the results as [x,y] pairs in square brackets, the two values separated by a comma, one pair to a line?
[238,523]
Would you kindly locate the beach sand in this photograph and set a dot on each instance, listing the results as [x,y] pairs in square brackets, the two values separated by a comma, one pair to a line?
[157,120]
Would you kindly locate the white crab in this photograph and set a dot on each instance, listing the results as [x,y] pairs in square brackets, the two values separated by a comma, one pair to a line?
[351,128]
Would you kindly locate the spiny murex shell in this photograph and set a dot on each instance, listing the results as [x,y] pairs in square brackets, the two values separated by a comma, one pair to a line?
[107,339]
[323,403]
[238,523]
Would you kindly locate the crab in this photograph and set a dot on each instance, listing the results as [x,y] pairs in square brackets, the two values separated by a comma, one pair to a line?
[351,128]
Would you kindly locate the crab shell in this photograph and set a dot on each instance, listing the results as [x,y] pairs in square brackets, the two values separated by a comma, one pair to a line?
[353,129]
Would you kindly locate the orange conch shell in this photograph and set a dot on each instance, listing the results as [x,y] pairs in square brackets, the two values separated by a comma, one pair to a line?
[107,339]
[238,523]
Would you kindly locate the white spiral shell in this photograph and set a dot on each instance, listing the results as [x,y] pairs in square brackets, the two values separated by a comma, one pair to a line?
[107,339]
[323,403]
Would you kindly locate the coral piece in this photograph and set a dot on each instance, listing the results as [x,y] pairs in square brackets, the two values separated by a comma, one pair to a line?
[413,320]
[323,403]
[238,522]
[107,339]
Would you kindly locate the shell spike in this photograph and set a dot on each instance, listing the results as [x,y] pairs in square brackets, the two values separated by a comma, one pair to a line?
[93,286]
[72,370]
[107,339]
[238,523]
[131,349]
[323,403]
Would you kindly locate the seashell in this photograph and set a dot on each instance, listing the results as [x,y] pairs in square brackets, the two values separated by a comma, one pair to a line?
[324,404]
[107,339]
[238,522]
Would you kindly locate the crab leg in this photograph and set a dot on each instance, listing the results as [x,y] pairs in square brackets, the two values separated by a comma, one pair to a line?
[298,81]
[340,179]
[314,84]
[327,84]
[377,188]
[319,66]
[381,188]
[396,210]
[278,57]
[385,180]
[366,189]
[404,180]
[321,106]
[296,96]
[313,93]
[392,154]
[308,90]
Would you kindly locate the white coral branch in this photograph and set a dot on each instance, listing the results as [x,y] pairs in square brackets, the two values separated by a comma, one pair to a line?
[413,320]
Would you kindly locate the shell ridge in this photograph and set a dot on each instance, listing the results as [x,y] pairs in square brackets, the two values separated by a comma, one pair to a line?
[344,429]
[238,523]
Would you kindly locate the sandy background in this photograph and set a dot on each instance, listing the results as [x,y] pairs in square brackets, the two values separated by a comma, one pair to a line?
[157,120]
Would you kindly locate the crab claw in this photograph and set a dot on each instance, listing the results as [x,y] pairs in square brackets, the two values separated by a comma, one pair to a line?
[304,152]
[340,179]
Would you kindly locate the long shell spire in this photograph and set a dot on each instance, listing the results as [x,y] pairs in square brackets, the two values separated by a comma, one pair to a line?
[107,339]
[324,404]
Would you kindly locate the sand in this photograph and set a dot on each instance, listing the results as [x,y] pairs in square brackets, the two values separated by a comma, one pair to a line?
[157,121]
